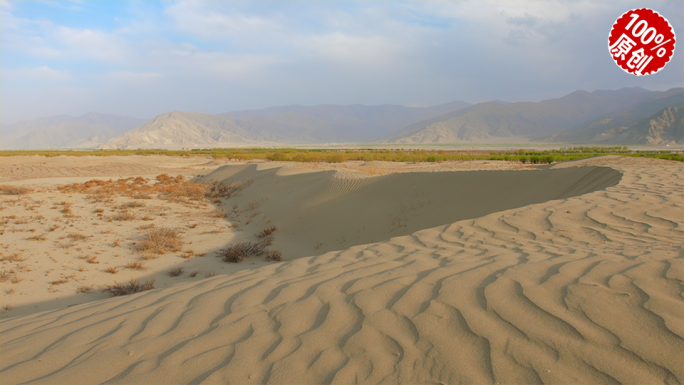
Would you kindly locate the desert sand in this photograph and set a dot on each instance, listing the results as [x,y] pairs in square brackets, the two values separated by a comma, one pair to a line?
[458,272]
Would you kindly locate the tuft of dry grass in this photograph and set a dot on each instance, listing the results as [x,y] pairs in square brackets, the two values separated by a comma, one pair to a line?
[187,254]
[84,289]
[160,240]
[135,266]
[77,237]
[124,215]
[6,189]
[59,281]
[111,270]
[239,251]
[176,271]
[14,257]
[132,287]
[274,255]
[92,260]
[131,205]
[193,274]
[266,232]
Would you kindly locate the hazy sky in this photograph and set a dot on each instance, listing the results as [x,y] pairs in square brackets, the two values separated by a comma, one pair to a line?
[144,58]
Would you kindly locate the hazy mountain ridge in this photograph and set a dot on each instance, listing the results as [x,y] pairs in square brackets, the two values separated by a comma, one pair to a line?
[64,131]
[276,125]
[629,126]
[491,120]
[626,116]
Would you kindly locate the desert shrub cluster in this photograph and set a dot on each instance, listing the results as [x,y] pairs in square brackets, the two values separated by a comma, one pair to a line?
[160,240]
[130,288]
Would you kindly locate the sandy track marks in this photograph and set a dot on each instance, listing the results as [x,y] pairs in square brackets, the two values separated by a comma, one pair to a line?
[336,188]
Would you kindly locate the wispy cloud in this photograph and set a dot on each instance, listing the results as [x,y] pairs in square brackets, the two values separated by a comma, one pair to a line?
[148,57]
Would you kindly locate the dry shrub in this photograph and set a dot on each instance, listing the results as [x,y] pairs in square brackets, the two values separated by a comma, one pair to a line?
[176,271]
[131,205]
[14,190]
[160,240]
[132,287]
[14,257]
[39,237]
[111,270]
[187,254]
[193,274]
[124,215]
[93,260]
[7,275]
[135,266]
[59,281]
[266,232]
[77,237]
[274,255]
[84,289]
[98,210]
[239,251]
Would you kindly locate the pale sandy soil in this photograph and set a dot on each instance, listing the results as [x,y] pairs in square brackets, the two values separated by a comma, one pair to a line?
[542,281]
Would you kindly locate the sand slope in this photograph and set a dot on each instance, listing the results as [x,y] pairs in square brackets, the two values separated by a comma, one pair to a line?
[584,289]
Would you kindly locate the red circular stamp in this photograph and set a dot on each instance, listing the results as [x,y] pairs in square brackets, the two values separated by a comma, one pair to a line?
[641,41]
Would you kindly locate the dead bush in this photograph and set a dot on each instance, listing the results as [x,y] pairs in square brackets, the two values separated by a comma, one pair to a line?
[160,240]
[239,251]
[124,215]
[266,232]
[39,237]
[132,287]
[274,255]
[135,266]
[77,237]
[176,271]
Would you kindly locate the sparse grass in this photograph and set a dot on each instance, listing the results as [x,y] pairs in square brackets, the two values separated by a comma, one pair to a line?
[6,189]
[135,266]
[160,240]
[176,271]
[111,270]
[59,281]
[266,232]
[82,268]
[132,287]
[147,218]
[116,243]
[145,227]
[53,228]
[93,260]
[187,254]
[239,251]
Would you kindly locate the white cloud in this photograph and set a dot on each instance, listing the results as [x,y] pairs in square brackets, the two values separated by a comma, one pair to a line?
[201,19]
[42,73]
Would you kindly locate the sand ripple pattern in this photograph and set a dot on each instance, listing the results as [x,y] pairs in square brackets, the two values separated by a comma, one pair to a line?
[337,187]
[583,290]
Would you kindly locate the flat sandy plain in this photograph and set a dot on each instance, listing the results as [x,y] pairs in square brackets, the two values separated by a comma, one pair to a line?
[458,272]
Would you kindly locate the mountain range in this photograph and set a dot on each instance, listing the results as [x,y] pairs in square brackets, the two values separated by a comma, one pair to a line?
[625,116]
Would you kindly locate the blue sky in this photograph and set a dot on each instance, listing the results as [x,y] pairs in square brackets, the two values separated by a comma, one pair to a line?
[144,58]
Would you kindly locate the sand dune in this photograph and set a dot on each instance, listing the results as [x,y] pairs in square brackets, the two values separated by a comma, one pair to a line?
[578,289]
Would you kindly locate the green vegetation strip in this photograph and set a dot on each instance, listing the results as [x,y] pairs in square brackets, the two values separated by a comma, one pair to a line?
[368,155]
